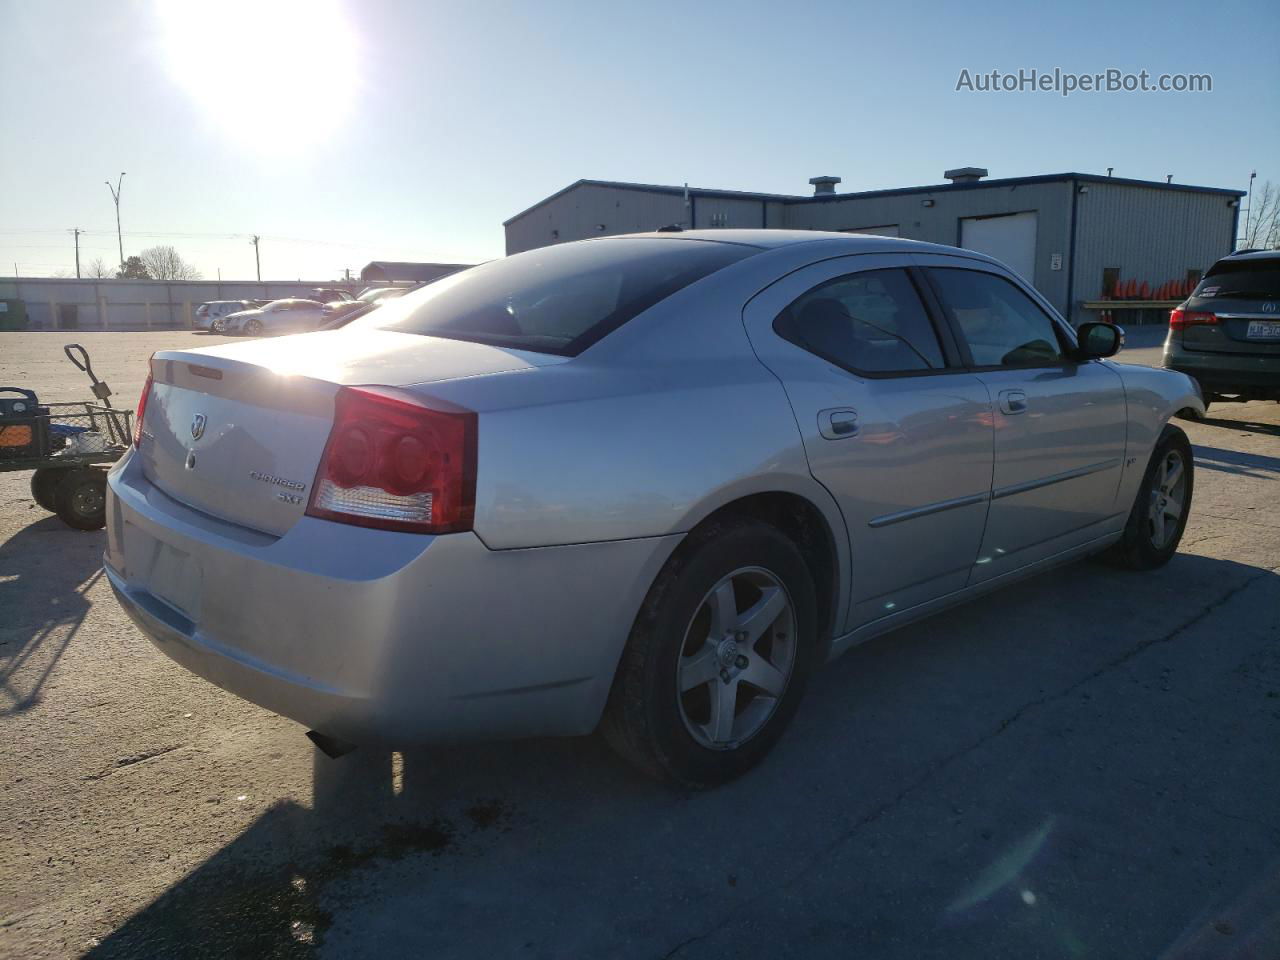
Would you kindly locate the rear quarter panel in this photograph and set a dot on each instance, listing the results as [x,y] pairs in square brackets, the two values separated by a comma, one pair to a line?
[645,433]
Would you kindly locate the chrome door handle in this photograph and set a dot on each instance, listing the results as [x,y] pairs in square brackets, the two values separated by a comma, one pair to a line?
[838,423]
[1013,401]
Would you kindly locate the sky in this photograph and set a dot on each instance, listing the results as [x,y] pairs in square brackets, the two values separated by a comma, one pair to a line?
[343,131]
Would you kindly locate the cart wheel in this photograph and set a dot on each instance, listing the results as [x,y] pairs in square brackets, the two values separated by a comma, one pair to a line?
[81,499]
[44,486]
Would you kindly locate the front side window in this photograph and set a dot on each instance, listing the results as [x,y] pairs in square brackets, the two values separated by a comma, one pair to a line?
[556,299]
[870,322]
[1002,326]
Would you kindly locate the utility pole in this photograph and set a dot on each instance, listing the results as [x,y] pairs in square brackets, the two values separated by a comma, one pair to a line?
[115,195]
[76,231]
[257,262]
[1248,214]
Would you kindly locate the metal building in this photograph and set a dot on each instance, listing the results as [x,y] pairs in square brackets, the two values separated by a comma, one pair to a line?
[1075,236]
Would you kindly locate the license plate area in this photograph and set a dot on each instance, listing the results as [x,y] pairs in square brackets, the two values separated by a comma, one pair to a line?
[164,571]
[1263,330]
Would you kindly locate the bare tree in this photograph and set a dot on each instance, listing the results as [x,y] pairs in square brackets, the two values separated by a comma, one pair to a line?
[1262,223]
[98,269]
[164,263]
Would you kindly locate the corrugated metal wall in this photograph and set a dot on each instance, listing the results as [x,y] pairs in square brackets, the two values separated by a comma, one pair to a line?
[582,212]
[54,303]
[940,223]
[1148,233]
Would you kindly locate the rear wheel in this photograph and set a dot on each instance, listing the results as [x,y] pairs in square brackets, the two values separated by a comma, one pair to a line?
[1159,513]
[44,486]
[717,661]
[81,499]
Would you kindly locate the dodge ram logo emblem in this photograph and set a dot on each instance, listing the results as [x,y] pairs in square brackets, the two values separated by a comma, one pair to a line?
[197,426]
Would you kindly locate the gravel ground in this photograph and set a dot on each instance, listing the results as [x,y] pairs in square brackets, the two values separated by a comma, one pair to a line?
[1085,764]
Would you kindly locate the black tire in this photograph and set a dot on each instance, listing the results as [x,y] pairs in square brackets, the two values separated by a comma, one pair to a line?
[44,486]
[647,719]
[1138,548]
[81,499]
[252,328]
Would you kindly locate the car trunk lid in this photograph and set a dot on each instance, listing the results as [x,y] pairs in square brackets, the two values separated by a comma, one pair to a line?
[238,431]
[1242,326]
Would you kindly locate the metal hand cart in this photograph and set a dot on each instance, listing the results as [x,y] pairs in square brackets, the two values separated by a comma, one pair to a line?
[68,445]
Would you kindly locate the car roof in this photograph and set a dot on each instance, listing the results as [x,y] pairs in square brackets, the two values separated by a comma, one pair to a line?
[1253,255]
[774,239]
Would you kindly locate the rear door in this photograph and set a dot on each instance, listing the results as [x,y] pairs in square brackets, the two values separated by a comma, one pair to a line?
[892,427]
[1060,425]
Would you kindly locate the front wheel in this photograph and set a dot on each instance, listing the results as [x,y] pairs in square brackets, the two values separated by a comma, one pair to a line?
[716,663]
[252,328]
[1159,514]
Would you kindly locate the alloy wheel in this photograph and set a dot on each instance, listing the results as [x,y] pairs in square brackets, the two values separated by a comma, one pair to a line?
[1168,499]
[737,658]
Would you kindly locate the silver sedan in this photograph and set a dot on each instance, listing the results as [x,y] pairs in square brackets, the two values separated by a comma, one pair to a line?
[647,484]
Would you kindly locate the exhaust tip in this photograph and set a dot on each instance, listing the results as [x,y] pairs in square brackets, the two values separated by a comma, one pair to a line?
[330,746]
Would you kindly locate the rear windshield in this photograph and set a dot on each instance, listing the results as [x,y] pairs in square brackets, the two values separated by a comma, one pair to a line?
[1244,279]
[556,299]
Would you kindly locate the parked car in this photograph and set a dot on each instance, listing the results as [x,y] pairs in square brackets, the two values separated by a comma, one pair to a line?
[340,314]
[1227,333]
[208,314]
[646,482]
[290,315]
[330,294]
[377,294]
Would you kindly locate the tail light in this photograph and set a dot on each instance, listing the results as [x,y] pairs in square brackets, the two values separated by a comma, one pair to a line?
[397,462]
[1180,319]
[142,409]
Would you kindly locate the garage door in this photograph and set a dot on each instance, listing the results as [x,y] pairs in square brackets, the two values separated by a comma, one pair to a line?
[1010,238]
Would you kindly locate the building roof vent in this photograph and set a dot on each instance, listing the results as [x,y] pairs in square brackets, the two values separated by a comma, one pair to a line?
[824,186]
[966,174]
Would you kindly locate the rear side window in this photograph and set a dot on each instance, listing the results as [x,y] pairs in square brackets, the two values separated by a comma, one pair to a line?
[869,322]
[1002,326]
[1242,279]
[556,299]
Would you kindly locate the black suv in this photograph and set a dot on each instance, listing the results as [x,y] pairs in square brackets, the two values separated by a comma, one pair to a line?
[1227,333]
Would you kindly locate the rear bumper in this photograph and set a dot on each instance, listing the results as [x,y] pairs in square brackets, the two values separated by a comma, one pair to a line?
[374,636]
[1226,372]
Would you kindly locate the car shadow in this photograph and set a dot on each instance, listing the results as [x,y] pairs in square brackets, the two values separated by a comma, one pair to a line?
[922,792]
[1236,461]
[1246,426]
[46,570]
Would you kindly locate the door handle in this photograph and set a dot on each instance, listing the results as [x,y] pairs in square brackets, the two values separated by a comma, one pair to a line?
[838,423]
[1013,401]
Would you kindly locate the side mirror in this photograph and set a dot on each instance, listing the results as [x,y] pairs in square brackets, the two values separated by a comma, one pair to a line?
[1098,340]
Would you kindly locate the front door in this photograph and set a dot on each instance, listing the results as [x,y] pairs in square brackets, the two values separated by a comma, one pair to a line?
[891,424]
[1059,424]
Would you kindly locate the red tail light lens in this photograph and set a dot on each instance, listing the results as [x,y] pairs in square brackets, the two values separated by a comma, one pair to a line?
[397,462]
[1180,319]
[142,411]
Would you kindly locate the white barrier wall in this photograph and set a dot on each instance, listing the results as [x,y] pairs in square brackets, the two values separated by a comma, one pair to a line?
[62,304]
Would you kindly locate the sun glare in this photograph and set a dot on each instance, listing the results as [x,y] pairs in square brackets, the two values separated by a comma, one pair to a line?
[278,74]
